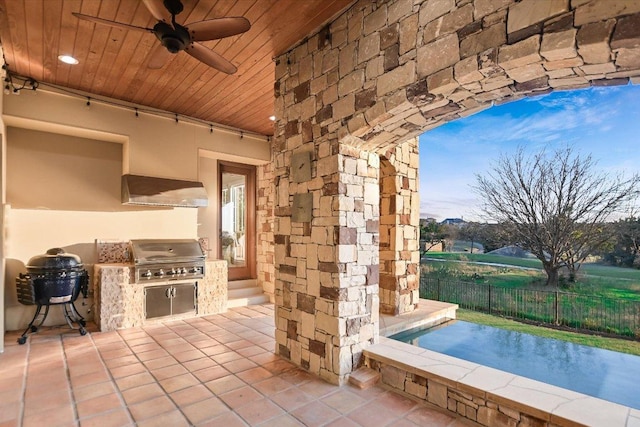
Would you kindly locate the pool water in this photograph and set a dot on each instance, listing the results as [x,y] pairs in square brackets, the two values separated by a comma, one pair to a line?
[605,374]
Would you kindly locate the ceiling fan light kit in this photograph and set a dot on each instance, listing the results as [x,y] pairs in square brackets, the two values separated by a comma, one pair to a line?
[174,37]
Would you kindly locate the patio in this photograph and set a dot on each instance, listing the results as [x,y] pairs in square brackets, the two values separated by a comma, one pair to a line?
[213,370]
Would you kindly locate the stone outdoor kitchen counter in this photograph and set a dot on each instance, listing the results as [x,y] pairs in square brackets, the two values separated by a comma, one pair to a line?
[120,301]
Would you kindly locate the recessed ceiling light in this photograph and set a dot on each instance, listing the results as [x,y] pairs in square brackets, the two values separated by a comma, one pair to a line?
[272,118]
[68,59]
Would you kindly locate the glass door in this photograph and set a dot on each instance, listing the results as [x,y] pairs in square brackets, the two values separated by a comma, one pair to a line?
[237,219]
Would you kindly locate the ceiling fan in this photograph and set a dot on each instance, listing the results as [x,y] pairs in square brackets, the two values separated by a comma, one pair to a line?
[175,37]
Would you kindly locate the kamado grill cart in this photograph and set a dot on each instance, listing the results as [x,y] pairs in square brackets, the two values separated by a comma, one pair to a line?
[55,278]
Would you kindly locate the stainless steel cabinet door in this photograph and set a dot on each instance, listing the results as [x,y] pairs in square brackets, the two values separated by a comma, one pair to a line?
[184,297]
[158,301]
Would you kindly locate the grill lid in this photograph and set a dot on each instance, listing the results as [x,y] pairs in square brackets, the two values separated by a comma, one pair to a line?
[54,259]
[159,251]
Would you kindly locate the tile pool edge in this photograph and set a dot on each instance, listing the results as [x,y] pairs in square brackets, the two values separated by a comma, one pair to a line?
[485,395]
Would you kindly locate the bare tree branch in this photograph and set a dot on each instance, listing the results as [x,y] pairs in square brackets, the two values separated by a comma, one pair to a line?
[556,204]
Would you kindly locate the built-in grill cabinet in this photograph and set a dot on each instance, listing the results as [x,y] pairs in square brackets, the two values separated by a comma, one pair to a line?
[168,270]
[170,299]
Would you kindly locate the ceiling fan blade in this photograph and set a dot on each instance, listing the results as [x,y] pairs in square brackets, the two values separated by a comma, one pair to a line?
[110,23]
[209,57]
[157,9]
[159,57]
[218,28]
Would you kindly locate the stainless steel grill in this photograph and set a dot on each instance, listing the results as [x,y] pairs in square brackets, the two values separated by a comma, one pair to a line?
[158,260]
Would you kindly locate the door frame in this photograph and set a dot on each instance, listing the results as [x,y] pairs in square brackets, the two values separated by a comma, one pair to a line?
[248,271]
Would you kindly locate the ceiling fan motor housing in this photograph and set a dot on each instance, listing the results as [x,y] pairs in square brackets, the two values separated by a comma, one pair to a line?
[174,39]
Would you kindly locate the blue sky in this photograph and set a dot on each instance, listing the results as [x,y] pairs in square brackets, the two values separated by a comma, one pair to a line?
[603,122]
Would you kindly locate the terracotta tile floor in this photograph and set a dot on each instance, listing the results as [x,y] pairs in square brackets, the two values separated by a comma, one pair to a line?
[217,370]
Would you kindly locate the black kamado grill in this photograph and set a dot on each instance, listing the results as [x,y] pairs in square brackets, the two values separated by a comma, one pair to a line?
[54,278]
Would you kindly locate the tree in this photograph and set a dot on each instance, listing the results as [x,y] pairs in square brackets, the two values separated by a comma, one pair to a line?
[471,231]
[495,236]
[556,205]
[451,232]
[431,235]
[625,248]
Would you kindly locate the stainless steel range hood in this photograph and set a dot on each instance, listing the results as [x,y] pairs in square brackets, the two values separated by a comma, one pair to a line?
[151,191]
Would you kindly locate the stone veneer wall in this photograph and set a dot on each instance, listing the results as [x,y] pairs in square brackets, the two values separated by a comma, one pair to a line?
[264,229]
[383,72]
[119,303]
[399,229]
[213,288]
[327,311]
[471,404]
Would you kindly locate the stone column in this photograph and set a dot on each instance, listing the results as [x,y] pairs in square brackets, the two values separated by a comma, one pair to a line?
[326,255]
[264,228]
[381,73]
[399,229]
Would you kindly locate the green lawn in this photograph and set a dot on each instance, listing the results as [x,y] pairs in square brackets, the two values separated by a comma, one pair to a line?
[593,279]
[482,273]
[614,344]
[497,259]
[590,269]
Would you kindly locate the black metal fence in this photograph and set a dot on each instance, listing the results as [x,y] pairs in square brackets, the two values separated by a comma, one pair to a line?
[588,312]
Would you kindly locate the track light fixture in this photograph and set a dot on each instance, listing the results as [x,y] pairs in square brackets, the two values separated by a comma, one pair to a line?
[20,83]
[15,83]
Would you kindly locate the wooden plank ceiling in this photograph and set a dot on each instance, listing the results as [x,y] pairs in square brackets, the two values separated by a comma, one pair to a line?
[113,61]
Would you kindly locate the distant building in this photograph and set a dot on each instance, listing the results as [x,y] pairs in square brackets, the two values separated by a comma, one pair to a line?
[453,221]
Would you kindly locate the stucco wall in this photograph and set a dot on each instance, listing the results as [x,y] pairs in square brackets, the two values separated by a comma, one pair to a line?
[84,202]
[154,146]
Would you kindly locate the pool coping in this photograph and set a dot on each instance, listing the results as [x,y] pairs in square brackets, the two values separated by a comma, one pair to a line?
[483,394]
[429,313]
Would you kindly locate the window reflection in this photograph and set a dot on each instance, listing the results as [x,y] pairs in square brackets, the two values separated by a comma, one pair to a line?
[233,238]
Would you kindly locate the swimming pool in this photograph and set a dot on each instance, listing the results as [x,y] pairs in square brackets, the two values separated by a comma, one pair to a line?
[604,374]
